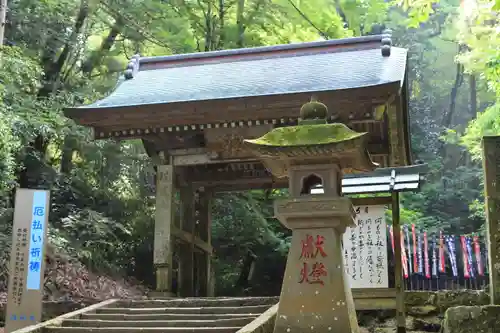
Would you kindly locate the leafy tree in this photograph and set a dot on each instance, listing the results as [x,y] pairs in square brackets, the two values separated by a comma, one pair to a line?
[69,52]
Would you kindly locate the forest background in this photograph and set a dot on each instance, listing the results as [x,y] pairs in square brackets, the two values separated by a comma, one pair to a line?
[66,52]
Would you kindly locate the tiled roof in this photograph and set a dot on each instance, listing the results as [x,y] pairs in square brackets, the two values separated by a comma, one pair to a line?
[276,73]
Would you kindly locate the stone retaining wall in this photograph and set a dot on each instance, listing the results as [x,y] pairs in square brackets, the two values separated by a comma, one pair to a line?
[425,311]
[472,319]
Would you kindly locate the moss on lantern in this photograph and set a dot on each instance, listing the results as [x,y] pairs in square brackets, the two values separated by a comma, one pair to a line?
[307,135]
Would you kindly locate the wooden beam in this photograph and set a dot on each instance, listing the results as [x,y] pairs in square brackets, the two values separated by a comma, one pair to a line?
[398,270]
[371,201]
[187,237]
[241,109]
[203,159]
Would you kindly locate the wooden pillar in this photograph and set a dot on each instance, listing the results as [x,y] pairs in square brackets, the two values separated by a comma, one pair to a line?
[194,233]
[398,273]
[162,257]
[491,166]
[203,232]
[186,253]
[208,228]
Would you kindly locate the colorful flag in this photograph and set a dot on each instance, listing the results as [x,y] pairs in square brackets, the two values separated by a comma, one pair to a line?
[434,258]
[426,257]
[407,235]
[450,241]
[404,260]
[470,259]
[420,254]
[479,261]
[442,266]
[465,257]
[415,258]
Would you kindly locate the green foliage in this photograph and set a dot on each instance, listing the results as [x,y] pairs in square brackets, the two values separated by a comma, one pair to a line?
[70,52]
[486,123]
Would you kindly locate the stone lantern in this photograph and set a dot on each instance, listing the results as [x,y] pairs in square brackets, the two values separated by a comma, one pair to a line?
[315,296]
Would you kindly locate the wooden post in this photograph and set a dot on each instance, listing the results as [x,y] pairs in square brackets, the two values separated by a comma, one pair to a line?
[491,166]
[398,274]
[209,198]
[192,231]
[186,253]
[29,239]
[164,217]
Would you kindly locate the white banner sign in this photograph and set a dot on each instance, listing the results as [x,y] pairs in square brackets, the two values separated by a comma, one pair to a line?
[365,249]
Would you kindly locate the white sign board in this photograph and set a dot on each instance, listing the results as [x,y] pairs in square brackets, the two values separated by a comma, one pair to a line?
[365,249]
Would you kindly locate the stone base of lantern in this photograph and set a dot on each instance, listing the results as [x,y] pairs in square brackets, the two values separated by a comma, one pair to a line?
[315,296]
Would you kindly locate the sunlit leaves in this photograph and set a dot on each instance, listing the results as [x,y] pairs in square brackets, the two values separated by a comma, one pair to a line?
[482,34]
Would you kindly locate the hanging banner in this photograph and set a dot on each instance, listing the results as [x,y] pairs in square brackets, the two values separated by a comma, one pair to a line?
[407,235]
[404,259]
[365,249]
[470,259]
[29,233]
[426,257]
[420,254]
[479,261]
[465,259]
[434,258]
[415,249]
[442,266]
[450,241]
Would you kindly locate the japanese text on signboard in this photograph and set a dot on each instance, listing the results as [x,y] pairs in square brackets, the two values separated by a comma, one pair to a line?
[365,249]
[35,254]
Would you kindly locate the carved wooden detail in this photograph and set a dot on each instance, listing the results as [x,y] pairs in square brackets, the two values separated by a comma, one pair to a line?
[228,142]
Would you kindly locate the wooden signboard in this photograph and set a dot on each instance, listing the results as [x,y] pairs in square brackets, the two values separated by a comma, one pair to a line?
[491,164]
[365,249]
[29,235]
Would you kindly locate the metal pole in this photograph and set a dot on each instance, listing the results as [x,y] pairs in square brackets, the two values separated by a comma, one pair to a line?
[398,278]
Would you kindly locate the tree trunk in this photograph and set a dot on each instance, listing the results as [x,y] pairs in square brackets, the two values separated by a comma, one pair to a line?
[447,120]
[222,36]
[33,173]
[473,96]
[68,148]
[54,69]
[240,23]
[3,15]
[96,57]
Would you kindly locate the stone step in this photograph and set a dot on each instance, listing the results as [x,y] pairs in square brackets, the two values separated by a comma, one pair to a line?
[214,310]
[197,302]
[142,330]
[167,316]
[157,323]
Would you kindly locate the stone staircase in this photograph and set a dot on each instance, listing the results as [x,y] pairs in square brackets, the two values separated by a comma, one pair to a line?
[222,315]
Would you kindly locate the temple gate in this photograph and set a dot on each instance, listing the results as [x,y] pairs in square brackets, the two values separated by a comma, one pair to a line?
[193,111]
